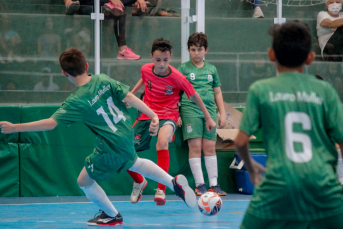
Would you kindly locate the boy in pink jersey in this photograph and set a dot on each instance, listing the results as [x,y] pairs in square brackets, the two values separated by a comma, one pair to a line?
[163,86]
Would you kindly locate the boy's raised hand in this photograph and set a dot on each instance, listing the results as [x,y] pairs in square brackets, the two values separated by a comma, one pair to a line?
[179,122]
[127,105]
[7,127]
[255,173]
[210,124]
[154,126]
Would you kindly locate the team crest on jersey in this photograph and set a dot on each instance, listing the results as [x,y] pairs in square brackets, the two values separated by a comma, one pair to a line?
[149,85]
[192,76]
[209,77]
[61,110]
[189,128]
[137,139]
[169,90]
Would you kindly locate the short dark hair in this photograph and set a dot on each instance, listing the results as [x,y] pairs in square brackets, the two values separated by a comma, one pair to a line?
[291,43]
[161,45]
[197,39]
[73,61]
[319,77]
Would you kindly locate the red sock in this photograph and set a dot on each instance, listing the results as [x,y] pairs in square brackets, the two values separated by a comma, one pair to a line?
[138,178]
[163,162]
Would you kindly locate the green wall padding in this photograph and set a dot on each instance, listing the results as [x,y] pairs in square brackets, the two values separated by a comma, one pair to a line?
[9,170]
[9,154]
[51,161]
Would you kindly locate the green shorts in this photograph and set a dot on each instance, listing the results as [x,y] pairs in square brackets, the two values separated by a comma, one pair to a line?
[102,164]
[251,221]
[142,134]
[196,128]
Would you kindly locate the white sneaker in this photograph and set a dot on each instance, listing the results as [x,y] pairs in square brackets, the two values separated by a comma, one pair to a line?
[182,190]
[258,13]
[160,197]
[137,191]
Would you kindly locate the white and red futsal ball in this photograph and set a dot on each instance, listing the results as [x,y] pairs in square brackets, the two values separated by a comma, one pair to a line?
[210,203]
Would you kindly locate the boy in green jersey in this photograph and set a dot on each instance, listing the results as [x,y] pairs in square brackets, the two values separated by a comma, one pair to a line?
[205,80]
[300,117]
[98,103]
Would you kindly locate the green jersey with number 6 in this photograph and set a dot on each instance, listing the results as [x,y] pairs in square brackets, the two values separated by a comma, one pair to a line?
[98,104]
[203,80]
[301,118]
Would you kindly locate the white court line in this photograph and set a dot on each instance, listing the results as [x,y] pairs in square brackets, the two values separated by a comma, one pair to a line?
[81,202]
[45,221]
[145,201]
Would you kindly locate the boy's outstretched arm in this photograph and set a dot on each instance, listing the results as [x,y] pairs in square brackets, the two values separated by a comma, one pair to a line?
[41,125]
[135,102]
[138,86]
[255,169]
[210,124]
[218,96]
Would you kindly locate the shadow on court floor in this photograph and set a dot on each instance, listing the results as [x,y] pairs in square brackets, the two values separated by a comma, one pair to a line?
[74,212]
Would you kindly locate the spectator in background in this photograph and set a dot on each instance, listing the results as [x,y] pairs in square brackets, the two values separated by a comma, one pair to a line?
[156,10]
[330,31]
[11,86]
[47,83]
[257,9]
[49,44]
[9,41]
[259,69]
[112,9]
[78,36]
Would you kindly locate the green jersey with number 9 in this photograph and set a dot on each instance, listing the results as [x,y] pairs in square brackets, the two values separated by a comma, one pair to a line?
[301,118]
[98,104]
[203,80]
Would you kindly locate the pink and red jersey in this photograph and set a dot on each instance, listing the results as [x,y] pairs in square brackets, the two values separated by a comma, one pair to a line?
[162,93]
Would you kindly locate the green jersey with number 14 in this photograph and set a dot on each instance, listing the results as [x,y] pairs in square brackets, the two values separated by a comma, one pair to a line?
[98,104]
[301,118]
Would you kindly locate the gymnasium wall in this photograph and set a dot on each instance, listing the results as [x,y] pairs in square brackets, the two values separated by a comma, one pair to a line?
[48,163]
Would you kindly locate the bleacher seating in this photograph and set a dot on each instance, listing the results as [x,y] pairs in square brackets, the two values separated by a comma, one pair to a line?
[235,39]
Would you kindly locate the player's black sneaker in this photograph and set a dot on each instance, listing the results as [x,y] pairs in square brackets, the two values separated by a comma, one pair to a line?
[182,190]
[200,189]
[217,189]
[104,220]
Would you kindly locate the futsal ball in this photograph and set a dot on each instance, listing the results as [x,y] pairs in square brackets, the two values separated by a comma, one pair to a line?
[210,203]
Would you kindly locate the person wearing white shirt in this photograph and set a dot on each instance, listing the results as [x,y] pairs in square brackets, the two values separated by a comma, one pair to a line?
[330,31]
[46,84]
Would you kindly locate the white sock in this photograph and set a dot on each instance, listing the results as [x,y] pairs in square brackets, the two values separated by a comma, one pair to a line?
[152,171]
[97,195]
[212,169]
[340,167]
[195,164]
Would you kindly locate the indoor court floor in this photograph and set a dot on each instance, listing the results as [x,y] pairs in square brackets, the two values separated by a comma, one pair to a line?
[74,212]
